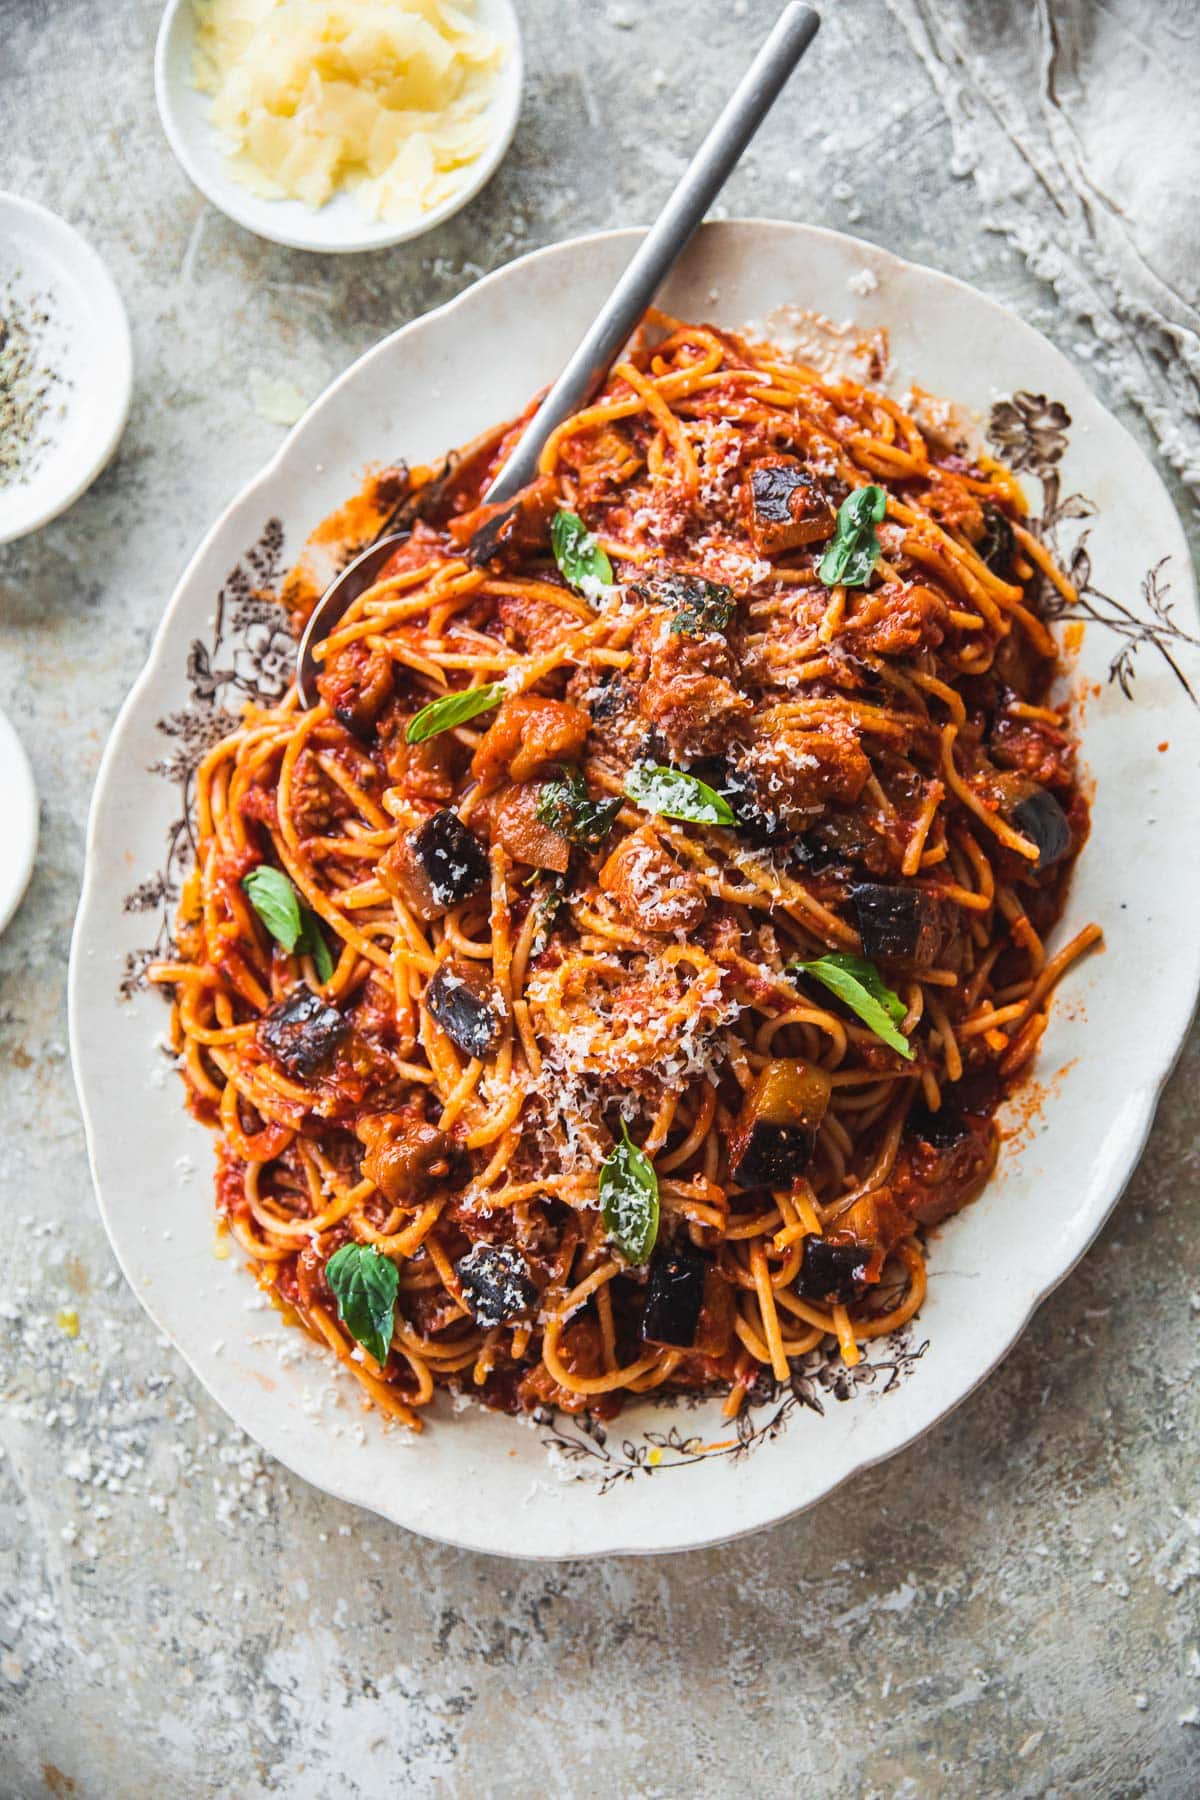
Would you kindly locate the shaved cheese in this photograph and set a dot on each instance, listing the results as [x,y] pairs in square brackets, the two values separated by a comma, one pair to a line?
[616,1034]
[386,97]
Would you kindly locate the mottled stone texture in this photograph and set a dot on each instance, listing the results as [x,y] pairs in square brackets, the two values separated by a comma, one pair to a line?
[1013,1607]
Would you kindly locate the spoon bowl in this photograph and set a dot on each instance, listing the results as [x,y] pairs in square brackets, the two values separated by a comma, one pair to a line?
[334,603]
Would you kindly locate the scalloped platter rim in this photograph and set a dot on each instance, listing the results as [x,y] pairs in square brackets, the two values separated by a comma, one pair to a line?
[663,1477]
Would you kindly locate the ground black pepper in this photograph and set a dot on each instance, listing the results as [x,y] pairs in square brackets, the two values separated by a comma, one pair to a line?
[27,385]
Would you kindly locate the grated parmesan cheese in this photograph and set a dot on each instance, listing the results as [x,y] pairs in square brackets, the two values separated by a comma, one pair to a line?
[386,97]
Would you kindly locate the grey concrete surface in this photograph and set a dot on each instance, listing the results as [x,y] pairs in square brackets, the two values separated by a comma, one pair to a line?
[1010,1608]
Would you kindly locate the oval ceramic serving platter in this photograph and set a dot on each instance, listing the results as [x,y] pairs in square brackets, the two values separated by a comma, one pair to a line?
[663,1477]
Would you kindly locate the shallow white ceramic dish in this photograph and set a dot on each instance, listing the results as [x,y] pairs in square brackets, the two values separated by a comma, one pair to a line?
[18,821]
[664,1478]
[86,342]
[341,224]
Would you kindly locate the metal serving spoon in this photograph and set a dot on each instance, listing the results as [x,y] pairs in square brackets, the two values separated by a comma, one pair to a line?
[655,256]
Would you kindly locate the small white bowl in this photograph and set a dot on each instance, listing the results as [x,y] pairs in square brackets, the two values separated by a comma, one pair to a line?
[341,224]
[86,343]
[18,821]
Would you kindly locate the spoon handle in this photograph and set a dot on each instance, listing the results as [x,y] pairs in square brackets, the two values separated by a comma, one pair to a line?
[701,182]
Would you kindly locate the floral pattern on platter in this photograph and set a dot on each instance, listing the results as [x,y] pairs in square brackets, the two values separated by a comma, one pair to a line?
[1030,433]
[586,1451]
[249,657]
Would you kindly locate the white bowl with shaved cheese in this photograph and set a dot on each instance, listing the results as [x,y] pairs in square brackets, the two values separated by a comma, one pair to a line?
[338,125]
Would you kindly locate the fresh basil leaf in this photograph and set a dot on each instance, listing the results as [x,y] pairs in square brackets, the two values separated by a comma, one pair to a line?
[580,559]
[364,1283]
[699,606]
[859,984]
[629,1199]
[854,551]
[311,942]
[546,908]
[286,917]
[707,607]
[674,795]
[566,807]
[275,901]
[452,710]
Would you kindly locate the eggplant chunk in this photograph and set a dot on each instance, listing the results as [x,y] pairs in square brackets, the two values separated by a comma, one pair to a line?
[519,828]
[942,1164]
[897,924]
[302,1032]
[674,1297]
[510,529]
[777,1126]
[454,999]
[831,1271]
[1042,820]
[496,1284]
[786,508]
[609,697]
[435,867]
[943,1128]
[409,1159]
[491,537]
[756,820]
[454,861]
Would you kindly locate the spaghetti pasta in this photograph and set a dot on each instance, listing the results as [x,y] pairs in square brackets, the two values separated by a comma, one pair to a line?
[737,864]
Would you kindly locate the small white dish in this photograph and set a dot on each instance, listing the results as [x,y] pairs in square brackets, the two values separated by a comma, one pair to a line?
[340,225]
[663,1476]
[18,821]
[85,341]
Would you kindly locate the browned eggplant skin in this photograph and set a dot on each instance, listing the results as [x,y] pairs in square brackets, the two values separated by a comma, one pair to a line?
[785,506]
[302,1033]
[497,1284]
[833,1270]
[773,1139]
[458,998]
[435,867]
[675,1297]
[898,924]
[1040,818]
